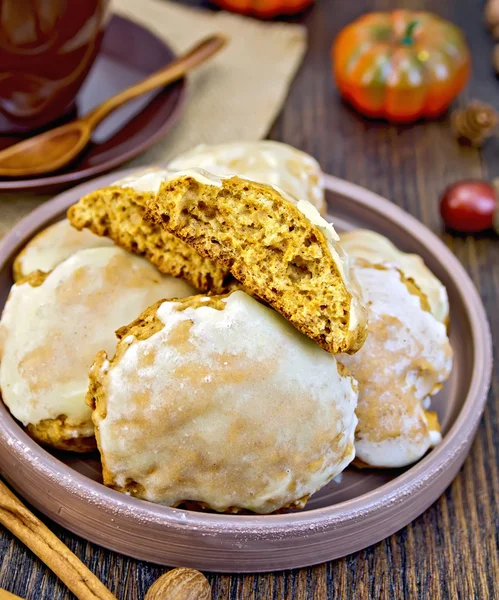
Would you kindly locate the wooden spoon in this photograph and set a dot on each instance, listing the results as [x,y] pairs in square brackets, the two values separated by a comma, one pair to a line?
[178,584]
[53,149]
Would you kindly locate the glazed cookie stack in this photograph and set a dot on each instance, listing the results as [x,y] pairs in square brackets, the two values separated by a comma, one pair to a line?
[255,359]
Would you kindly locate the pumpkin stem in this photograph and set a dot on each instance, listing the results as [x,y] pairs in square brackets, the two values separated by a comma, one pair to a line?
[407,40]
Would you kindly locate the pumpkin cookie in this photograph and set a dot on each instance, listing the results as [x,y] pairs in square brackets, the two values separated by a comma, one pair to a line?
[279,248]
[53,325]
[220,401]
[269,162]
[406,359]
[377,249]
[118,212]
[52,246]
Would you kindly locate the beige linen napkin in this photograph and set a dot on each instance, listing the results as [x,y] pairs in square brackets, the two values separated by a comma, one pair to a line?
[236,96]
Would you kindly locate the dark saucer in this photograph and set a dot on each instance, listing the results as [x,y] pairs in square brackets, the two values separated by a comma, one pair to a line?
[128,54]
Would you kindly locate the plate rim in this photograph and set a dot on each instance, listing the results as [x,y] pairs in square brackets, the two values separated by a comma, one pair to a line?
[449,455]
[73,177]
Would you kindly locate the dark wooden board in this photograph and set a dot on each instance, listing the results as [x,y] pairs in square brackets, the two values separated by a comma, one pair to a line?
[452,550]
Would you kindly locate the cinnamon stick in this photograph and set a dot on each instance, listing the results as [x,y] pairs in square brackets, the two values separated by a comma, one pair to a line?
[49,548]
[5,595]
[180,584]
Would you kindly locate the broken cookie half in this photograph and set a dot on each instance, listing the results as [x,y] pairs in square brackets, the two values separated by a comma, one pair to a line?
[278,247]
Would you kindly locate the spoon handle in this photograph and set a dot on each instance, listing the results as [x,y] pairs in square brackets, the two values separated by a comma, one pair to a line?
[49,548]
[173,71]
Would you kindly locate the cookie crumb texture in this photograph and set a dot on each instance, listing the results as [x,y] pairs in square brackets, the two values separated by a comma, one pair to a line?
[221,402]
[279,248]
[118,213]
[405,360]
[265,161]
[64,433]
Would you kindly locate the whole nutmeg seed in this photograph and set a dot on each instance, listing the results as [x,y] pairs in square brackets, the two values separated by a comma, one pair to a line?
[492,16]
[495,58]
[180,584]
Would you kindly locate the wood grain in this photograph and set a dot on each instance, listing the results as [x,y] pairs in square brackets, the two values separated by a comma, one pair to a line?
[451,551]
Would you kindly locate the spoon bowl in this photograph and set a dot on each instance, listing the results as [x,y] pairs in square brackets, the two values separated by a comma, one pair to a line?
[46,152]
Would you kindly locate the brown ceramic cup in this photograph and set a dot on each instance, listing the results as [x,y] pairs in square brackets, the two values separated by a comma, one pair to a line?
[46,50]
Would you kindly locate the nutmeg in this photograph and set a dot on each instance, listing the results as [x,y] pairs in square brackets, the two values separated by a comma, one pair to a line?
[495,58]
[180,584]
[492,17]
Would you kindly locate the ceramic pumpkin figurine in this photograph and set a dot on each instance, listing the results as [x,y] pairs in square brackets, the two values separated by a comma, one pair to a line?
[400,66]
[264,9]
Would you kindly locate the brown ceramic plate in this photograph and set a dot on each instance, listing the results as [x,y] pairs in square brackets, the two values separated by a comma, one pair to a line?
[364,508]
[129,53]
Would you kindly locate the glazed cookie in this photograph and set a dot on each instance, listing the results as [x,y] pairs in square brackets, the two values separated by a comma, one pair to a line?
[117,212]
[220,401]
[406,359]
[273,163]
[278,247]
[53,245]
[377,249]
[54,324]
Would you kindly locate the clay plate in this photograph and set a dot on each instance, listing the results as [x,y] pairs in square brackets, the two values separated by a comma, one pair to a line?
[128,54]
[342,518]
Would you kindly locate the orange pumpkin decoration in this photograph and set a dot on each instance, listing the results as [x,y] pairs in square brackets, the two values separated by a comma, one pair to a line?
[402,65]
[265,9]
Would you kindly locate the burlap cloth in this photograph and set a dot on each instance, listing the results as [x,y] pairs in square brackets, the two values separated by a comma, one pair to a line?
[236,96]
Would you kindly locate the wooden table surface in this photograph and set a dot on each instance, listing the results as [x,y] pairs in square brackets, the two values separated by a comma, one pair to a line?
[451,551]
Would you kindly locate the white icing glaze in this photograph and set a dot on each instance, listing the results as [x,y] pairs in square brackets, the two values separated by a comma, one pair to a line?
[50,334]
[314,217]
[54,244]
[404,360]
[435,438]
[148,180]
[376,248]
[230,407]
[273,163]
[151,179]
[199,175]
